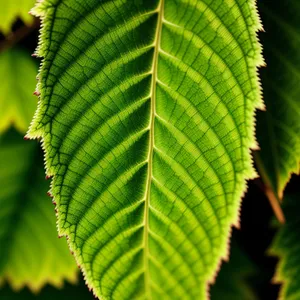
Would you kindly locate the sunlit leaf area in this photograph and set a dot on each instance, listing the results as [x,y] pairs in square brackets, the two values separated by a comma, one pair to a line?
[150,150]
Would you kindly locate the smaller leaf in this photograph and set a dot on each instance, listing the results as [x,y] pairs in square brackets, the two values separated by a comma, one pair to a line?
[286,246]
[30,252]
[17,77]
[74,292]
[232,281]
[13,9]
[278,128]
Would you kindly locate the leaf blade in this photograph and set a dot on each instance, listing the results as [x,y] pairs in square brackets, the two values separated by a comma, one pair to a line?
[189,144]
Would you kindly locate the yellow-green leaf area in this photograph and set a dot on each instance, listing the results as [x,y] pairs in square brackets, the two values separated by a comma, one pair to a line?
[147,117]
[31,254]
[17,77]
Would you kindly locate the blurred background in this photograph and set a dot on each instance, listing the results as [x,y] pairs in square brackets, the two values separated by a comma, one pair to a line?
[34,262]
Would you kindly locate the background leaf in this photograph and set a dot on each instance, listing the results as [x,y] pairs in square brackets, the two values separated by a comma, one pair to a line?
[286,246]
[13,9]
[278,128]
[233,280]
[31,253]
[74,292]
[147,117]
[17,77]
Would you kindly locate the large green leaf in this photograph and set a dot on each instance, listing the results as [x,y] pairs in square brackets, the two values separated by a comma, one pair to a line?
[13,9]
[17,77]
[279,127]
[147,116]
[286,246]
[30,252]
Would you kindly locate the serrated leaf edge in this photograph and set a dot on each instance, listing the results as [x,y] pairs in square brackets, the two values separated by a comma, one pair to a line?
[42,10]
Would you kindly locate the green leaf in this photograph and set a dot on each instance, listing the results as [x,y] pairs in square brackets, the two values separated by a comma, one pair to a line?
[147,116]
[278,128]
[233,280]
[286,245]
[17,77]
[74,292]
[31,253]
[13,9]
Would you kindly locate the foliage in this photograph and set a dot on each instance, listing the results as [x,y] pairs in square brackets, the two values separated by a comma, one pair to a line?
[17,77]
[278,127]
[30,254]
[69,291]
[286,246]
[147,114]
[278,130]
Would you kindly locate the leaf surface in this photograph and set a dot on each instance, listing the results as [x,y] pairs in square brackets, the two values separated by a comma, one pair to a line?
[17,77]
[286,246]
[278,129]
[11,10]
[147,116]
[30,252]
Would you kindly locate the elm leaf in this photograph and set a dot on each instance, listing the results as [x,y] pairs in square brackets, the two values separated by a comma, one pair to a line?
[146,114]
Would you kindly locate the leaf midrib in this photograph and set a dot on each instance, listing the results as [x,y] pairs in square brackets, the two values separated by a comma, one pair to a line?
[160,10]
